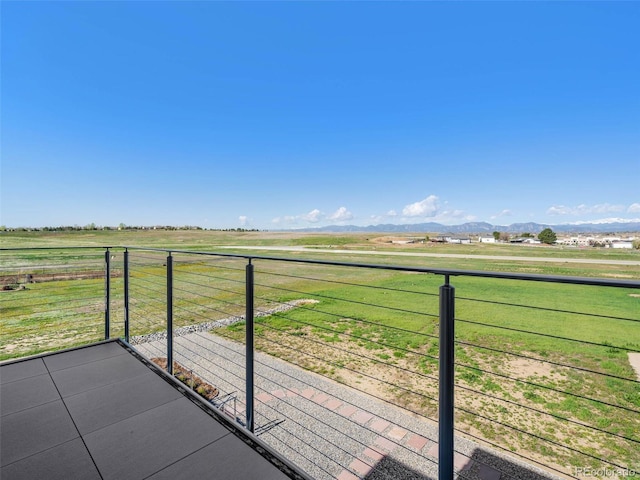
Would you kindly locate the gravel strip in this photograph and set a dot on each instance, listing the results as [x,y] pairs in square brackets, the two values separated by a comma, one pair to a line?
[225,322]
[328,429]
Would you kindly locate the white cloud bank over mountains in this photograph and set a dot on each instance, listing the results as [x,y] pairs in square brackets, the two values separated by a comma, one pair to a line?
[428,208]
[604,221]
[601,208]
[432,209]
[315,216]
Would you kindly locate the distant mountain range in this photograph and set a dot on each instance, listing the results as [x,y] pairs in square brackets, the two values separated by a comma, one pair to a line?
[481,228]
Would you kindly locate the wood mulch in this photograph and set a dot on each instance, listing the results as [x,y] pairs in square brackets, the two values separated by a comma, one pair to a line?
[186,376]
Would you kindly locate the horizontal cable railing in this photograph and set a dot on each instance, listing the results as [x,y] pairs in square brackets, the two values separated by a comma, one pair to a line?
[347,375]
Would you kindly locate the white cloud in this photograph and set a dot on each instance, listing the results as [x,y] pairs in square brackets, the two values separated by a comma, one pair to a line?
[583,209]
[341,215]
[424,208]
[313,216]
[608,220]
[243,219]
[606,208]
[634,208]
[383,218]
[451,214]
[503,213]
[558,210]
[429,208]
[287,219]
[448,216]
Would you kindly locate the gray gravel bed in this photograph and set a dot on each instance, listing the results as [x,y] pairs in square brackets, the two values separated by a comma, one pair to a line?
[224,322]
[320,438]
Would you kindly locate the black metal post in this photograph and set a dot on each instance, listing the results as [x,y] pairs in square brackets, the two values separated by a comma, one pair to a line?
[170,314]
[249,347]
[126,295]
[107,294]
[445,409]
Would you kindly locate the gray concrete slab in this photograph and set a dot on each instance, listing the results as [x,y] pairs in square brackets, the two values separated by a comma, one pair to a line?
[148,442]
[69,461]
[82,356]
[103,406]
[21,370]
[28,393]
[95,374]
[221,460]
[32,431]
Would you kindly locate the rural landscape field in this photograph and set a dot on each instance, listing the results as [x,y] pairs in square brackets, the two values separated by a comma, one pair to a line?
[542,369]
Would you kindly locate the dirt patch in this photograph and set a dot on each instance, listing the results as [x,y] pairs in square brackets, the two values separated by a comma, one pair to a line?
[412,241]
[26,278]
[634,295]
[617,275]
[527,368]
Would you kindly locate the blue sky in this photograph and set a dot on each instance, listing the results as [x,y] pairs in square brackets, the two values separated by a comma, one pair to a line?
[278,115]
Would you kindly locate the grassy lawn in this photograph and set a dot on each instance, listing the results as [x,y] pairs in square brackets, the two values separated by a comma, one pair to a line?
[52,315]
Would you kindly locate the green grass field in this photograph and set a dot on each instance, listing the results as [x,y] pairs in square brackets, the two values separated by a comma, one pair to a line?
[543,358]
[208,240]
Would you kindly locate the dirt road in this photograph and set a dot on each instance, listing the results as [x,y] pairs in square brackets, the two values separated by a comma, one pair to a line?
[436,255]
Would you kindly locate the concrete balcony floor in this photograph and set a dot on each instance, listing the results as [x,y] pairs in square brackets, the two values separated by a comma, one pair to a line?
[102,411]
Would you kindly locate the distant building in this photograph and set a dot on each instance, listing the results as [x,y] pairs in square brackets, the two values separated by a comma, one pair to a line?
[576,241]
[487,240]
[621,244]
[458,240]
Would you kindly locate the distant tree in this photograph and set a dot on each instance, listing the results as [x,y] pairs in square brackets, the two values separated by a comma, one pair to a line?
[527,235]
[636,244]
[547,236]
[496,236]
[504,236]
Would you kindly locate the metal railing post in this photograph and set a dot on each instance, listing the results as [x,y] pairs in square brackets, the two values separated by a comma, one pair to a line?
[170,314]
[126,295]
[107,294]
[446,380]
[249,347]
